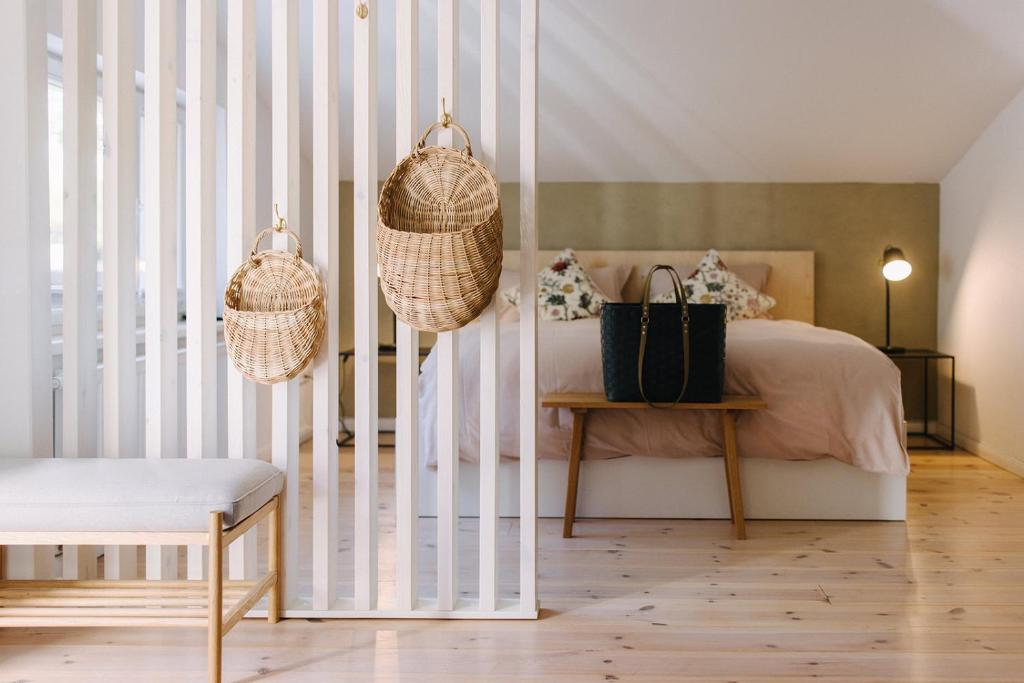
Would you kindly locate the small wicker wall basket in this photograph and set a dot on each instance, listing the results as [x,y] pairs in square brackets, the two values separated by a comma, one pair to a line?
[439,236]
[274,312]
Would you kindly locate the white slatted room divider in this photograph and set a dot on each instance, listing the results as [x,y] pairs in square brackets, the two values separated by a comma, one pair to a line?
[326,259]
[447,344]
[490,410]
[159,187]
[407,602]
[284,18]
[120,249]
[200,240]
[364,187]
[241,227]
[407,339]
[80,375]
[161,235]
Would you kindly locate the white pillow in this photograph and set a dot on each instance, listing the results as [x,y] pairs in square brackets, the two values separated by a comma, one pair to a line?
[713,283]
[611,280]
[565,291]
[754,274]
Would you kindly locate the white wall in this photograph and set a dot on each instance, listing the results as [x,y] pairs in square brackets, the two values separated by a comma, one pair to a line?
[981,288]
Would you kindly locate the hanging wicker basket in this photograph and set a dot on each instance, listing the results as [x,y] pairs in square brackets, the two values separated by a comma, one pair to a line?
[274,313]
[439,236]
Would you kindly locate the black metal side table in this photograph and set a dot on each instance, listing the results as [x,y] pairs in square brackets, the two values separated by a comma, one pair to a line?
[383,351]
[926,356]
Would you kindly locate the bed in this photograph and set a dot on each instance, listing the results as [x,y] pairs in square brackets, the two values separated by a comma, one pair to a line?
[831,444]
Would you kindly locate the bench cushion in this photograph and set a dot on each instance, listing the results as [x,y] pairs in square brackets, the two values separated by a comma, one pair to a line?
[131,494]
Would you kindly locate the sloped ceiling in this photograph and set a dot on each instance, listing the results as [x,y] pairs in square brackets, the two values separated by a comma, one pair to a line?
[726,90]
[717,90]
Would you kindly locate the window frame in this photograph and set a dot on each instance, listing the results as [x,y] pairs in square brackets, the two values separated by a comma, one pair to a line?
[55,64]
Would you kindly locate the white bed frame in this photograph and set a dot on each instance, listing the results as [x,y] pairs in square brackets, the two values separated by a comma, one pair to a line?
[667,488]
[688,488]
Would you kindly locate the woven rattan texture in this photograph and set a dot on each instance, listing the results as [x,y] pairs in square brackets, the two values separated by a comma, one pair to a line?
[439,239]
[274,315]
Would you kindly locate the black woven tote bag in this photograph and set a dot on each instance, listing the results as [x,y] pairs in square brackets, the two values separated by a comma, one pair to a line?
[683,347]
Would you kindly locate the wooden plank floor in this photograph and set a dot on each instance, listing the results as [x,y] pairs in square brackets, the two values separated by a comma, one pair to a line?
[938,599]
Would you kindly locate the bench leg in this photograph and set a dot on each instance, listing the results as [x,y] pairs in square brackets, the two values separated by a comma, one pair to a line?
[274,564]
[574,471]
[732,473]
[215,606]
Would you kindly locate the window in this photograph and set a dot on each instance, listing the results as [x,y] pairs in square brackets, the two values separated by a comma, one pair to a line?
[55,92]
[55,96]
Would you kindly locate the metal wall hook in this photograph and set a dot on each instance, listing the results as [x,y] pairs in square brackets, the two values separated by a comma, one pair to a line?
[446,118]
[282,224]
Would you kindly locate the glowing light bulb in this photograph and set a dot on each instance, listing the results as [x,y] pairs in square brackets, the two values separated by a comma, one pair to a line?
[896,270]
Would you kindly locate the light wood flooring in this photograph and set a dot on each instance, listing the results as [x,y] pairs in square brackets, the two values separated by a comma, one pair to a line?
[940,598]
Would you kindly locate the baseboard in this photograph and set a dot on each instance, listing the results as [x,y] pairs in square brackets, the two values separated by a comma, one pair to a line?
[972,445]
[997,458]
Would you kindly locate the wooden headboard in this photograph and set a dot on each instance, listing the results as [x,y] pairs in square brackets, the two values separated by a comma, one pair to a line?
[790,283]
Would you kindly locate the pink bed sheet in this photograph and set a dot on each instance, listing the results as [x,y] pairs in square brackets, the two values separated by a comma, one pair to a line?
[828,394]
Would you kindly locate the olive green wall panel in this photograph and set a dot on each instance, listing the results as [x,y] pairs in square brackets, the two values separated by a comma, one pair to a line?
[846,225]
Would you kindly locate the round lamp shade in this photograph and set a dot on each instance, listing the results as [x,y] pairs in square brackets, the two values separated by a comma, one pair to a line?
[895,266]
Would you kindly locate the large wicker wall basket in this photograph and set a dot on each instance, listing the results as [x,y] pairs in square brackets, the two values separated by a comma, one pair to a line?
[439,236]
[274,313]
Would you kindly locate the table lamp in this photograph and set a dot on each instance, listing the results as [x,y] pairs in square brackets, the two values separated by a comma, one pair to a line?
[895,267]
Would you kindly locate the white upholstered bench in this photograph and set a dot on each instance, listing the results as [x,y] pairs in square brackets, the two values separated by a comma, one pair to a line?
[99,501]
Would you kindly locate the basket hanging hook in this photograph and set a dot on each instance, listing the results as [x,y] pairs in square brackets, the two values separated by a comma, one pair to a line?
[446,118]
[281,224]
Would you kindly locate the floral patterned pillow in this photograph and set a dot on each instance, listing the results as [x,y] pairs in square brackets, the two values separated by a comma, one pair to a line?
[713,283]
[564,291]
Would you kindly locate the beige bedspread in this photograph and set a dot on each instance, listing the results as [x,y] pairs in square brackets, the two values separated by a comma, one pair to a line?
[828,394]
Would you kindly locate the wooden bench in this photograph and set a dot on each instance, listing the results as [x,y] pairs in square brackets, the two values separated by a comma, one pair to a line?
[100,501]
[582,403]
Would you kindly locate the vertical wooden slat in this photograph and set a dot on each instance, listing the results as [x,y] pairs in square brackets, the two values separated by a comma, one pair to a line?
[365,247]
[80,376]
[447,346]
[490,75]
[325,258]
[528,307]
[407,338]
[120,249]
[200,240]
[241,220]
[25,349]
[286,188]
[160,211]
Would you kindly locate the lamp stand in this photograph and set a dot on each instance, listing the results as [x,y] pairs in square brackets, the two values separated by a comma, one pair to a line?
[889,348]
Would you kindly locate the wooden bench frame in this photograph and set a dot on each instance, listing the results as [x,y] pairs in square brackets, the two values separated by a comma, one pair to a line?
[581,403]
[145,602]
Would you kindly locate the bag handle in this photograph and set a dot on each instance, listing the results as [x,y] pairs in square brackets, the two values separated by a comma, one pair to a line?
[468,148]
[645,322]
[275,231]
[280,228]
[445,122]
